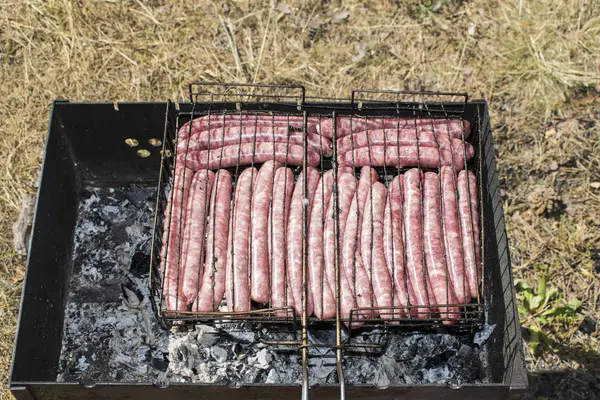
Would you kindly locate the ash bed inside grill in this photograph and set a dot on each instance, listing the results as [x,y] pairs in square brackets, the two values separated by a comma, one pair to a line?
[111,334]
[68,346]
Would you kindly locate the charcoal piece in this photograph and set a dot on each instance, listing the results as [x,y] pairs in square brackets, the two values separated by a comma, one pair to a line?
[160,364]
[484,334]
[136,195]
[140,264]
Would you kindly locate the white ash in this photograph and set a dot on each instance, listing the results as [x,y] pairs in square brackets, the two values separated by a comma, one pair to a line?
[112,334]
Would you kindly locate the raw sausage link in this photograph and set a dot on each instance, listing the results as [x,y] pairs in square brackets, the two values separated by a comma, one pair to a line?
[398,137]
[320,289]
[414,239]
[435,257]
[173,234]
[193,237]
[372,247]
[238,260]
[351,261]
[226,136]
[344,127]
[294,237]
[467,224]
[452,235]
[261,199]
[406,156]
[394,248]
[249,120]
[278,218]
[246,154]
[368,176]
[213,280]
[346,190]
[476,221]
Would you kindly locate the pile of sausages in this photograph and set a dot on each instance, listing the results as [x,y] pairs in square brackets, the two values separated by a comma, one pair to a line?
[222,141]
[411,242]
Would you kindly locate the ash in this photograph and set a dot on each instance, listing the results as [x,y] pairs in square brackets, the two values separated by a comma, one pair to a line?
[111,333]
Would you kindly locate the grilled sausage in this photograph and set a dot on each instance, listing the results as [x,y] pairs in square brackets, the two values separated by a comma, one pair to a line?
[414,239]
[295,234]
[402,137]
[393,233]
[346,125]
[321,291]
[194,237]
[212,287]
[246,154]
[406,156]
[231,135]
[247,120]
[435,257]
[467,209]
[346,190]
[278,219]
[372,247]
[238,260]
[174,224]
[452,235]
[261,198]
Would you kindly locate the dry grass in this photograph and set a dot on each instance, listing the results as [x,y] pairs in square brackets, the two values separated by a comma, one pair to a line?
[536,61]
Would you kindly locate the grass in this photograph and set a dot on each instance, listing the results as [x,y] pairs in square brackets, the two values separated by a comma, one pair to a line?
[535,61]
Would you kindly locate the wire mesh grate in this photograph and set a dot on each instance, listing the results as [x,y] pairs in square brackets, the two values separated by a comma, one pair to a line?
[234,143]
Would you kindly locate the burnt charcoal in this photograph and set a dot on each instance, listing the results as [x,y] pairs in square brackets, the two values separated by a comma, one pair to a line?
[465,365]
[136,195]
[483,334]
[111,332]
[588,325]
[160,364]
[87,193]
[140,264]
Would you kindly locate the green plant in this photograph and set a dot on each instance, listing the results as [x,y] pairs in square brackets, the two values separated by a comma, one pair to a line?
[540,307]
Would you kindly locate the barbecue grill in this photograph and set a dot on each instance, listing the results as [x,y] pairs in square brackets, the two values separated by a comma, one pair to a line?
[111,146]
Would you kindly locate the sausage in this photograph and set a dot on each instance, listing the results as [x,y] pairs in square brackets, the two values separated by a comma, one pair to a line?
[346,190]
[261,198]
[346,125]
[435,257]
[277,225]
[174,224]
[372,247]
[230,135]
[352,241]
[294,237]
[320,289]
[476,221]
[351,261]
[246,154]
[467,203]
[248,120]
[406,156]
[212,287]
[194,237]
[394,249]
[238,260]
[414,239]
[452,235]
[398,137]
